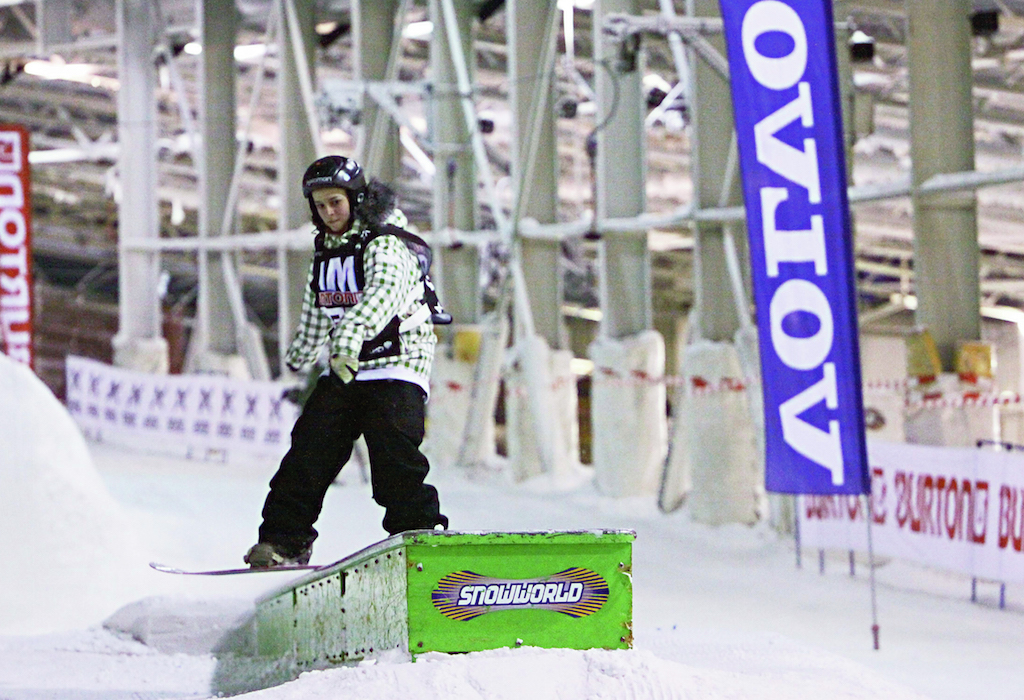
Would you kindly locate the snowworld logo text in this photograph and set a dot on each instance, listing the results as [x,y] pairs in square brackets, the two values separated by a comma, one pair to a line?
[464,595]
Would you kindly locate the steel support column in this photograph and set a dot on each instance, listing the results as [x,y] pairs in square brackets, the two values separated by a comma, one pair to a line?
[541,429]
[942,141]
[844,68]
[715,461]
[621,166]
[714,308]
[297,151]
[53,23]
[218,21]
[373,48]
[138,343]
[535,161]
[455,180]
[627,415]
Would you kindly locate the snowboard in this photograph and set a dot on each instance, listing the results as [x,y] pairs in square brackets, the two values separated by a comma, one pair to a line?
[164,568]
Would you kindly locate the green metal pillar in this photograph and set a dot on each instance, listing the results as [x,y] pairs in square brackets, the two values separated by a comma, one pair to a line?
[297,151]
[942,141]
[458,267]
[218,22]
[712,131]
[528,22]
[627,416]
[138,343]
[621,166]
[844,67]
[373,25]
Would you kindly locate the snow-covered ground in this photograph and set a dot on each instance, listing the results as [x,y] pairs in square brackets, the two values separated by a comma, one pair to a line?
[718,612]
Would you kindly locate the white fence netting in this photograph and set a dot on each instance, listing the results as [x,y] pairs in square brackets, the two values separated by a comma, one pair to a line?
[205,417]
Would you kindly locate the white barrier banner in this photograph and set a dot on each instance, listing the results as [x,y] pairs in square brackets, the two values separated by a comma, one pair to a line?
[954,508]
[206,417]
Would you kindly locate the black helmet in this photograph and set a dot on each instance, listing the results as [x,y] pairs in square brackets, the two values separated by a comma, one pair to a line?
[333,171]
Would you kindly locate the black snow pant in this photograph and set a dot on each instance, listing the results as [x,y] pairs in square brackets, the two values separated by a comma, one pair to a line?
[389,414]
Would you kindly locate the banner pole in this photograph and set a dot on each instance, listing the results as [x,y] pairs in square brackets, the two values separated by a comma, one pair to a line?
[871,569]
[796,532]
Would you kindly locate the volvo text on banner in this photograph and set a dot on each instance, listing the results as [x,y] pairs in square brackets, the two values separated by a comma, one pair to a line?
[789,133]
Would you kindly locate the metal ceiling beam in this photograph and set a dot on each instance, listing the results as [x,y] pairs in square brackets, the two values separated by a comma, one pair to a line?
[138,342]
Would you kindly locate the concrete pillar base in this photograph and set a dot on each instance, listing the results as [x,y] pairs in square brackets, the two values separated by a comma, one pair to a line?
[209,362]
[949,424]
[782,512]
[715,446]
[628,418]
[885,412]
[478,449]
[541,413]
[142,354]
[451,393]
[255,354]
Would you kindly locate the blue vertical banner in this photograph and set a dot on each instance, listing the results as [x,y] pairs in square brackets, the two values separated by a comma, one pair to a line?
[785,93]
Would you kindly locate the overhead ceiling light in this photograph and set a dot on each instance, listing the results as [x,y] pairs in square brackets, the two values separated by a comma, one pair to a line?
[57,69]
[193,48]
[250,52]
[653,80]
[418,30]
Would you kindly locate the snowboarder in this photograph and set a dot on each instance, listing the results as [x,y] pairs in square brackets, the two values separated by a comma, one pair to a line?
[365,301]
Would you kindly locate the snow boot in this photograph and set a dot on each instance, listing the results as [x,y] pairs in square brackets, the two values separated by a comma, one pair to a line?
[265,555]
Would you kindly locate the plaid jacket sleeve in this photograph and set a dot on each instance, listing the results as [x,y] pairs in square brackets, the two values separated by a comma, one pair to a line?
[391,278]
[313,331]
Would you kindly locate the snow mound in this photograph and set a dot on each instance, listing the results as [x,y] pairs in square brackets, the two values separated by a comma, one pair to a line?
[564,674]
[174,625]
[55,513]
[501,674]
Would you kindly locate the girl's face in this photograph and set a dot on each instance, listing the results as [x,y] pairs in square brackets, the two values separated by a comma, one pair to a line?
[333,207]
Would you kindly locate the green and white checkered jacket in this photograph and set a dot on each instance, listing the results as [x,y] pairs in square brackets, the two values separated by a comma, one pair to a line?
[392,288]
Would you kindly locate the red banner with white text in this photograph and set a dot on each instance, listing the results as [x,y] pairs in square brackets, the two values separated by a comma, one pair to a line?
[15,246]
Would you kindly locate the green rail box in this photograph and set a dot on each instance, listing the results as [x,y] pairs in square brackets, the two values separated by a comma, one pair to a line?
[453,592]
